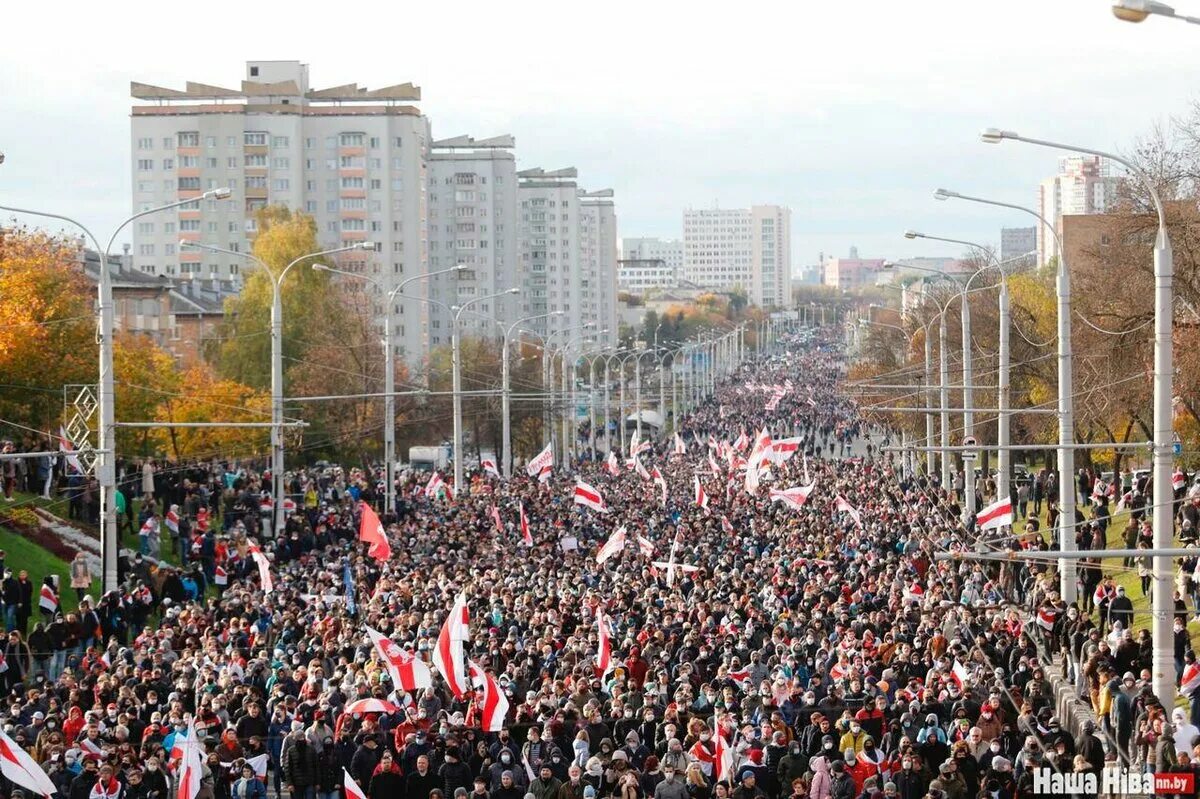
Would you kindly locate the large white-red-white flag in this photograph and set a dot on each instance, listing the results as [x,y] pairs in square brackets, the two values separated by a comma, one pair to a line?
[489,467]
[172,519]
[542,460]
[701,497]
[448,656]
[611,465]
[407,671]
[614,544]
[762,448]
[493,705]
[526,537]
[998,514]
[352,789]
[589,497]
[794,498]
[722,755]
[783,449]
[370,530]
[435,484]
[191,764]
[1190,680]
[645,546]
[641,470]
[21,769]
[604,658]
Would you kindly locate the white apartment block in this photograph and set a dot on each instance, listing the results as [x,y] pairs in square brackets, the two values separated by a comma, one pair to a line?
[639,275]
[568,250]
[353,158]
[746,248]
[1084,185]
[669,251]
[473,223]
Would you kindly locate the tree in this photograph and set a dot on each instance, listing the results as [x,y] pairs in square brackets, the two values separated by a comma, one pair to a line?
[144,374]
[204,397]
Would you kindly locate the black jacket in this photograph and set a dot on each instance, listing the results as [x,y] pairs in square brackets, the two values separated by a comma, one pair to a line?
[300,764]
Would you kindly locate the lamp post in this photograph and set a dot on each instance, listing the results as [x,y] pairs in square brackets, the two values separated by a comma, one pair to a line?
[106,461]
[1164,525]
[456,377]
[607,399]
[277,461]
[389,374]
[1139,10]
[1066,399]
[568,392]
[506,398]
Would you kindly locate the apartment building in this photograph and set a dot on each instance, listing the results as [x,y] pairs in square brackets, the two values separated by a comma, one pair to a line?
[568,253]
[647,248]
[740,248]
[355,159]
[473,223]
[1083,186]
[639,275]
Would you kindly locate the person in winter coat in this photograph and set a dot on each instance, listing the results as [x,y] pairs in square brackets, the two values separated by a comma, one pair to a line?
[367,757]
[300,769]
[107,785]
[842,784]
[248,785]
[858,771]
[792,765]
[822,781]
[546,785]
[386,781]
[329,771]
[455,773]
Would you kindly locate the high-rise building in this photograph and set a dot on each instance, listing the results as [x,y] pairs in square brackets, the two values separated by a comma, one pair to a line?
[355,159]
[1084,185]
[1016,242]
[568,250]
[638,275]
[473,223]
[848,274]
[746,248]
[643,248]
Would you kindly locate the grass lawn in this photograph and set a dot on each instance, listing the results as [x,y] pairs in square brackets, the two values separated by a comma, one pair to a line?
[24,554]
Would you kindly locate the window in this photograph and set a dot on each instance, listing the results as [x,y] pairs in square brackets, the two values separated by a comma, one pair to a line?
[145,249]
[210,163]
[231,141]
[168,163]
[310,143]
[352,139]
[189,225]
[398,141]
[353,183]
[331,185]
[145,185]
[168,143]
[146,143]
[211,227]
[376,226]
[353,224]
[331,142]
[145,165]
[353,203]
[310,206]
[255,160]
[189,138]
[232,227]
[281,184]
[254,139]
[374,142]
[169,249]
[256,182]
[168,227]
[352,162]
[331,227]
[189,161]
[189,184]
[145,228]
[464,196]
[231,163]
[281,163]
[210,141]
[397,184]
[331,206]
[279,141]
[375,163]
[376,184]
[310,163]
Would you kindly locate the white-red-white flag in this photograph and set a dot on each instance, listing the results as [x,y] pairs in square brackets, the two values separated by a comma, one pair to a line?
[68,449]
[526,537]
[1178,479]
[191,764]
[1190,680]
[783,449]
[407,671]
[762,448]
[264,569]
[370,530]
[149,527]
[220,576]
[998,514]
[352,789]
[493,705]
[722,755]
[611,465]
[21,769]
[589,497]
[701,497]
[543,459]
[614,544]
[645,546]
[662,483]
[958,674]
[604,658]
[841,503]
[641,470]
[489,467]
[173,520]
[680,447]
[741,443]
[435,484]
[794,498]
[48,601]
[727,525]
[448,656]
[495,514]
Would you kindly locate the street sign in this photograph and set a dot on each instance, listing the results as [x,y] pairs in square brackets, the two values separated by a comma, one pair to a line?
[969,441]
[970,456]
[1177,448]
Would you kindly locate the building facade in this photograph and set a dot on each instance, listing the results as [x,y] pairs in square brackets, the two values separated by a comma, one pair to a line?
[638,275]
[1084,185]
[740,248]
[355,159]
[1016,242]
[848,274]
[643,248]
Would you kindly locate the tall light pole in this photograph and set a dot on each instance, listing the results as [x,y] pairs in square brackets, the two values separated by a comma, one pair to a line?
[389,372]
[456,376]
[106,460]
[1066,391]
[277,460]
[1139,10]
[506,396]
[1163,603]
[568,392]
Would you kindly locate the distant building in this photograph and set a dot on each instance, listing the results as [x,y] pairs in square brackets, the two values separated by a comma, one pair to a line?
[642,274]
[1084,185]
[669,251]
[848,274]
[1018,241]
[741,248]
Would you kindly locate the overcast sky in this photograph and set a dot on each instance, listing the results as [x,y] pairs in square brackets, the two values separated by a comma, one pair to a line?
[851,113]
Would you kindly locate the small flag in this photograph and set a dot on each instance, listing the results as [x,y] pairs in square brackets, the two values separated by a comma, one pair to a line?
[1178,480]
[48,601]
[495,514]
[794,498]
[544,459]
[220,576]
[408,672]
[489,467]
[701,497]
[589,497]
[998,514]
[841,503]
[173,520]
[727,525]
[662,483]
[604,658]
[493,707]
[259,764]
[610,464]
[645,546]
[614,544]
[1190,680]
[680,447]
[352,789]
[526,537]
[264,568]
[448,654]
[370,530]
[434,485]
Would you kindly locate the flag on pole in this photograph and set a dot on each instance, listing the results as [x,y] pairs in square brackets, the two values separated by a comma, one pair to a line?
[645,546]
[489,467]
[741,443]
[48,601]
[191,764]
[435,484]
[680,447]
[544,474]
[173,520]
[493,707]
[448,656]
[662,483]
[264,569]
[495,514]
[611,465]
[794,498]
[1047,617]
[1190,680]
[722,756]
[841,503]
[220,576]
[701,497]
[149,527]
[604,658]
[998,514]
[526,537]
[727,525]
[407,671]
[614,544]
[641,470]
[19,768]
[762,448]
[958,674]
[370,530]
[348,585]
[783,449]
[352,789]
[589,497]
[1178,479]
[542,460]
[259,764]
[65,446]
[712,464]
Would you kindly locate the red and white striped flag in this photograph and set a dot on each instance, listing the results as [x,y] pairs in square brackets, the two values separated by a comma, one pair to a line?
[526,537]
[1190,680]
[434,485]
[645,546]
[265,505]
[1124,501]
[794,498]
[544,474]
[1046,617]
[762,448]
[589,497]
[289,506]
[722,755]
[407,671]
[614,544]
[65,446]
[150,526]
[641,470]
[264,569]
[841,503]
[611,465]
[220,576]
[1178,479]
[173,520]
[713,465]
[48,601]
[20,769]
[495,514]
[680,447]
[448,656]
[604,658]
[998,514]
[352,789]
[783,449]
[727,525]
[741,443]
[191,765]
[493,706]
[662,483]
[489,467]
[370,530]
[544,459]
[701,497]
[958,674]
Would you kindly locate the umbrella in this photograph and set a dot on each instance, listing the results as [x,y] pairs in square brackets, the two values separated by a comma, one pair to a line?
[370,706]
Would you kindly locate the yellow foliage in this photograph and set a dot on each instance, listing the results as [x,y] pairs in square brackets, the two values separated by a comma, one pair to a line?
[207,398]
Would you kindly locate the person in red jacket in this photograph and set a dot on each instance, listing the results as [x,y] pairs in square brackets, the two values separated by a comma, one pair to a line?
[857,769]
[637,667]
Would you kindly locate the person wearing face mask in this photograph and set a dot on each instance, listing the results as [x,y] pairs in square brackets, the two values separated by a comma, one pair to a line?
[853,738]
[506,763]
[910,784]
[792,765]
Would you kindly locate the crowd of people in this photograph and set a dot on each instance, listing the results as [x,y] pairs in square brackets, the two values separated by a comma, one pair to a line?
[816,647]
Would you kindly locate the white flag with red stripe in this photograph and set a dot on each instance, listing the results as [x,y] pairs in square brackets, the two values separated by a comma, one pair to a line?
[220,576]
[722,755]
[495,514]
[352,789]
[783,449]
[680,447]
[701,497]
[614,544]
[489,467]
[998,514]
[150,526]
[762,448]
[448,656]
[1178,479]
[543,460]
[661,482]
[68,449]
[493,706]
[191,764]
[48,601]
[958,673]
[727,525]
[1046,617]
[611,465]
[604,658]
[741,443]
[526,537]
[645,546]
[794,498]
[589,497]
[841,503]
[435,484]
[21,769]
[406,670]
[1190,681]
[641,470]
[264,569]
[173,520]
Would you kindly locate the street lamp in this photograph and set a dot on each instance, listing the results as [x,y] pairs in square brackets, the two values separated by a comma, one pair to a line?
[1066,399]
[277,462]
[1139,10]
[106,461]
[456,371]
[389,372]
[1164,524]
[506,400]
